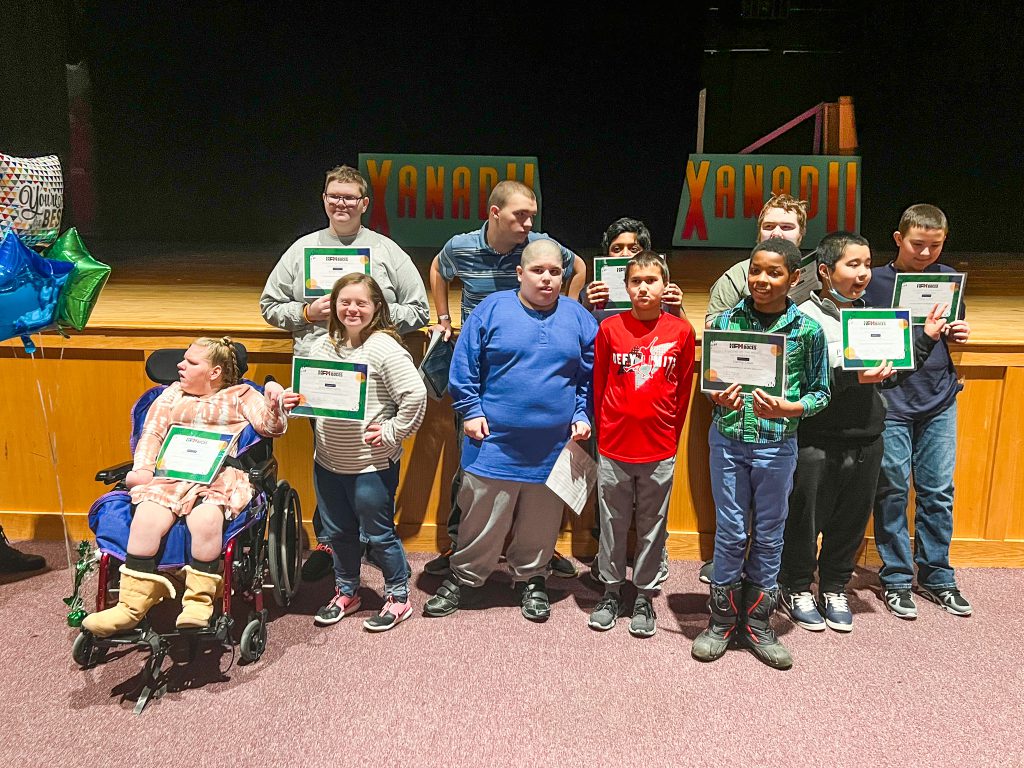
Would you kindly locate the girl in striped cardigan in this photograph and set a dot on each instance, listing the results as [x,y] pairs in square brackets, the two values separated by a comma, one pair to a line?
[356,463]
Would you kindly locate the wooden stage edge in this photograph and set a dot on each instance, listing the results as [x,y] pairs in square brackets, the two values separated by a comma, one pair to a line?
[70,403]
[682,545]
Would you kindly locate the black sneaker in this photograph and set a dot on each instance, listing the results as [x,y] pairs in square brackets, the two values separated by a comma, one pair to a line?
[439,566]
[900,602]
[446,600]
[14,561]
[643,622]
[707,570]
[319,563]
[536,605]
[949,598]
[605,613]
[562,566]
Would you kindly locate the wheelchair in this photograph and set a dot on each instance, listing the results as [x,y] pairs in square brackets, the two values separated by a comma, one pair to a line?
[262,541]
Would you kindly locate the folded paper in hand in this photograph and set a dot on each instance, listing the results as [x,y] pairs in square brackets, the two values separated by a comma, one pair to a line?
[573,476]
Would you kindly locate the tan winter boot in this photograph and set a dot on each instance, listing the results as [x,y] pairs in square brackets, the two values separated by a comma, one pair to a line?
[139,592]
[197,603]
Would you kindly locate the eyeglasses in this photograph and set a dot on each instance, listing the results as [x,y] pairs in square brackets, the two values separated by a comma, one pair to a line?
[348,200]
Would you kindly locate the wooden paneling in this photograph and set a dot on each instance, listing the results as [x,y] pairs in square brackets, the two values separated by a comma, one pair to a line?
[80,390]
[1006,498]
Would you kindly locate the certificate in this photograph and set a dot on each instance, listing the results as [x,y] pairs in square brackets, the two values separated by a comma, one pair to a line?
[920,291]
[752,360]
[612,272]
[871,336]
[808,281]
[329,389]
[193,453]
[323,265]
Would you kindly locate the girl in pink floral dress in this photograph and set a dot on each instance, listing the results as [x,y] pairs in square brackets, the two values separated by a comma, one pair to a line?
[208,393]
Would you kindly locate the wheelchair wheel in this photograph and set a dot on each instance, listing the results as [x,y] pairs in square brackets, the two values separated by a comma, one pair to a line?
[254,640]
[84,651]
[284,543]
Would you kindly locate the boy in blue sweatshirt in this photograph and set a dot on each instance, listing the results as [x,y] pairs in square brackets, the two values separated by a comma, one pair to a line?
[919,439]
[520,378]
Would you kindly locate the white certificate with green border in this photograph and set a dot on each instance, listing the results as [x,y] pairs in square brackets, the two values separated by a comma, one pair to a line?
[195,454]
[872,336]
[323,265]
[751,359]
[611,271]
[921,291]
[808,281]
[330,389]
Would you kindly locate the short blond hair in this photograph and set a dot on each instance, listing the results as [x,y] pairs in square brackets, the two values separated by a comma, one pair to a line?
[346,174]
[504,190]
[786,203]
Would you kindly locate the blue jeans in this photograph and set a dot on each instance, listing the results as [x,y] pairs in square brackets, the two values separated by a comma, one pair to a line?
[928,449]
[750,483]
[366,501]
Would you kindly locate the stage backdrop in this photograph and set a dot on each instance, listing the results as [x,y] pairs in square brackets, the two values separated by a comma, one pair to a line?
[723,194]
[422,200]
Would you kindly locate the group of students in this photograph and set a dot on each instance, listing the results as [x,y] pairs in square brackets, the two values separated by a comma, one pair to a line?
[533,369]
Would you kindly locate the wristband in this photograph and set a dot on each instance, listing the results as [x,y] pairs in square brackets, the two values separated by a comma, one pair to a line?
[442,318]
[304,315]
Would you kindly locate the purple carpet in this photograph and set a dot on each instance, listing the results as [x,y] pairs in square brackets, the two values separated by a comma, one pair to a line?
[487,688]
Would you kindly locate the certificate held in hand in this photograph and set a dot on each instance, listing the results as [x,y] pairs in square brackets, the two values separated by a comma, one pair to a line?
[752,360]
[194,454]
[330,389]
[324,265]
[873,336]
[921,291]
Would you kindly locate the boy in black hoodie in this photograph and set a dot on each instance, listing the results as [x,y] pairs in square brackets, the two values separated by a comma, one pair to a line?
[840,449]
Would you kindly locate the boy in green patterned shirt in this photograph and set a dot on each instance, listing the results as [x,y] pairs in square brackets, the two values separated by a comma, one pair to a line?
[753,452]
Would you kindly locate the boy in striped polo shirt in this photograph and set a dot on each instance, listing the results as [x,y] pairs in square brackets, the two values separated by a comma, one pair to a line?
[485,261]
[753,452]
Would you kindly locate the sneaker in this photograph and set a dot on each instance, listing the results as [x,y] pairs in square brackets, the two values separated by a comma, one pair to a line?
[643,622]
[900,602]
[319,563]
[339,607]
[14,561]
[439,566]
[706,572]
[563,566]
[605,613]
[535,604]
[446,601]
[802,610]
[949,598]
[391,614]
[662,576]
[836,609]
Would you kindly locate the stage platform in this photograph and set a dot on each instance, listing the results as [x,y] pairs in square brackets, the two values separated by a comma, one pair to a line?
[69,403]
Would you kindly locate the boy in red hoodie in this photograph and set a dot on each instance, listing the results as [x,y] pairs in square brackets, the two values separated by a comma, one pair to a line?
[643,370]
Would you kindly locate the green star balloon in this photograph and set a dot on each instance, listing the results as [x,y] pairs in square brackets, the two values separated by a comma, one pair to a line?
[83,287]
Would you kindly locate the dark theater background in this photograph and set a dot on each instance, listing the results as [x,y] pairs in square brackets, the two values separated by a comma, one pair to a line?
[213,122]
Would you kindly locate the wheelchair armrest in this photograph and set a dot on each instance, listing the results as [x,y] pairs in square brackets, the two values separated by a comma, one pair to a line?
[264,475]
[114,474]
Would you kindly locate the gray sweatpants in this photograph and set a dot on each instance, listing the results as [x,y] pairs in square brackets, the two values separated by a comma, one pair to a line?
[490,509]
[620,484]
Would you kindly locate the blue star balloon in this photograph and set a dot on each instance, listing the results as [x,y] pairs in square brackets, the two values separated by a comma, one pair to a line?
[30,287]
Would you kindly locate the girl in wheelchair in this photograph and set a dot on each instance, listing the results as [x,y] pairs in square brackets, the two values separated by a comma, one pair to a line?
[208,392]
[356,463]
